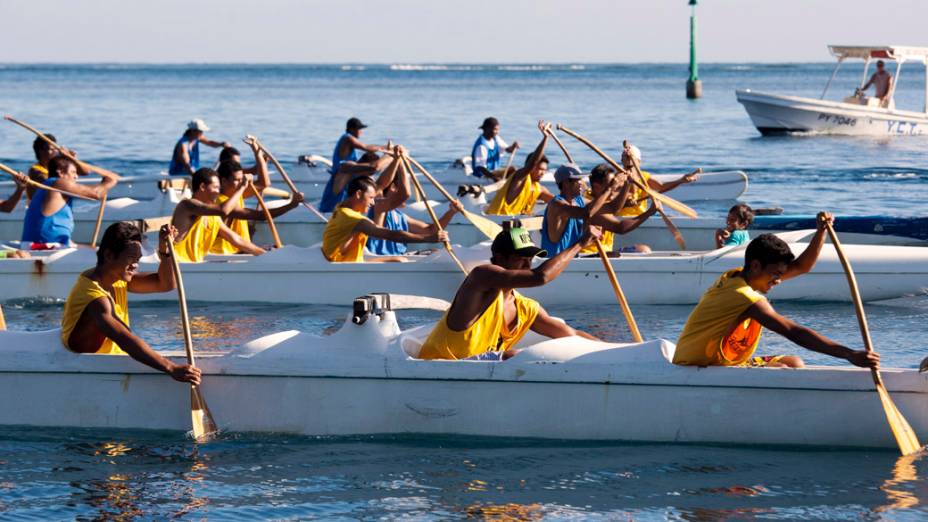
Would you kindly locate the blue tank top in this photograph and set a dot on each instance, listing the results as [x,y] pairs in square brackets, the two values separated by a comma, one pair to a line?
[492,154]
[572,231]
[176,168]
[737,237]
[56,228]
[393,220]
[330,200]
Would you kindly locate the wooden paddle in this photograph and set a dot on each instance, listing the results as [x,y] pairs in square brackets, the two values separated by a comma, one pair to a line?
[619,295]
[63,151]
[512,156]
[561,145]
[267,215]
[636,170]
[204,427]
[670,202]
[286,178]
[905,436]
[488,228]
[30,181]
[415,182]
[96,227]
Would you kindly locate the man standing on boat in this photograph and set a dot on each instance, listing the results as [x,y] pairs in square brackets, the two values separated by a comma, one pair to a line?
[185,159]
[346,234]
[199,219]
[487,150]
[348,161]
[488,316]
[638,200]
[96,314]
[882,82]
[567,214]
[724,328]
[523,189]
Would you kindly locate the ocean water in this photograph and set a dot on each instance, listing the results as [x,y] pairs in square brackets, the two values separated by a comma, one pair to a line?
[127,119]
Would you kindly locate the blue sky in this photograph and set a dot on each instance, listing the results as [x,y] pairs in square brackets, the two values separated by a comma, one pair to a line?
[402,31]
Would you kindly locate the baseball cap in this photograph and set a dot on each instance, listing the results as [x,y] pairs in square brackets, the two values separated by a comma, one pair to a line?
[354,123]
[197,124]
[515,239]
[636,152]
[489,123]
[568,171]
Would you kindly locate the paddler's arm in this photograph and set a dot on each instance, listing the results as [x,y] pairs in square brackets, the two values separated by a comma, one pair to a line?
[95,192]
[106,322]
[214,144]
[357,144]
[389,176]
[238,241]
[263,178]
[806,260]
[624,226]
[258,215]
[231,205]
[366,226]
[492,276]
[670,185]
[539,151]
[10,203]
[607,195]
[420,227]
[808,338]
[163,279]
[556,328]
[183,157]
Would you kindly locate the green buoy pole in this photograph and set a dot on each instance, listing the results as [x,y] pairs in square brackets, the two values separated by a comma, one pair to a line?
[693,85]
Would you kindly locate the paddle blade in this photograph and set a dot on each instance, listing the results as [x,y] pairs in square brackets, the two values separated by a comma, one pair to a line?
[902,431]
[486,226]
[204,427]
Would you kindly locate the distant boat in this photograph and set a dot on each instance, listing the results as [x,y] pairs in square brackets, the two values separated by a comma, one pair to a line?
[774,114]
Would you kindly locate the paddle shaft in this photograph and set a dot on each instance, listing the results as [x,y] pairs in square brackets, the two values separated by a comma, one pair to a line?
[30,181]
[289,182]
[64,152]
[267,215]
[182,300]
[415,182]
[619,295]
[561,145]
[512,156]
[677,236]
[96,227]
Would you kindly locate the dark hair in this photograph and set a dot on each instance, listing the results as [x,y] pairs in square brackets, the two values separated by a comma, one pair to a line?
[117,237]
[599,172]
[369,157]
[767,249]
[227,152]
[530,159]
[227,168]
[489,123]
[38,144]
[202,176]
[59,164]
[361,183]
[743,213]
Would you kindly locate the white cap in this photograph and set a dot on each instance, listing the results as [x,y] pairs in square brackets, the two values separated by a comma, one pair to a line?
[636,152]
[198,124]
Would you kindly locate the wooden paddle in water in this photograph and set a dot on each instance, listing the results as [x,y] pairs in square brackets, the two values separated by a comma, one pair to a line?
[619,295]
[267,215]
[905,436]
[415,182]
[204,427]
[488,228]
[286,178]
[63,151]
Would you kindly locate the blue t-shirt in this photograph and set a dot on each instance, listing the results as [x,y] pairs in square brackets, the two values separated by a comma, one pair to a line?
[40,228]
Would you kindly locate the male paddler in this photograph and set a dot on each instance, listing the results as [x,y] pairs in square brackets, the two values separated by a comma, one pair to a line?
[724,328]
[638,200]
[348,161]
[487,150]
[523,189]
[601,178]
[43,154]
[199,219]
[231,177]
[185,159]
[566,214]
[96,314]
[488,316]
[49,218]
[346,233]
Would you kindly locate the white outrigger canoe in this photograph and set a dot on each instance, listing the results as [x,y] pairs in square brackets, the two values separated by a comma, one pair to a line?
[854,115]
[302,275]
[365,380]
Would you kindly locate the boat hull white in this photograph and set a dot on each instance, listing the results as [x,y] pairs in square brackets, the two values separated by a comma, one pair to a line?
[777,114]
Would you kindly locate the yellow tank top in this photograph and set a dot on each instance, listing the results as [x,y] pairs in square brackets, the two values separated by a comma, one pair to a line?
[523,204]
[634,195]
[194,246]
[84,292]
[239,226]
[607,241]
[712,334]
[340,243]
[488,333]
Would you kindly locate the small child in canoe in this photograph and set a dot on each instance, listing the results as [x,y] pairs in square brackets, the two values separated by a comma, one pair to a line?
[735,232]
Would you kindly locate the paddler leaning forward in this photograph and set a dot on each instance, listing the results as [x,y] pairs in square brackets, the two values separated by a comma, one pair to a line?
[96,314]
[199,219]
[724,329]
[488,316]
[523,189]
[346,233]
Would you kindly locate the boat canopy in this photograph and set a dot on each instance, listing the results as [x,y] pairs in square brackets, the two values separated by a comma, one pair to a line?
[898,53]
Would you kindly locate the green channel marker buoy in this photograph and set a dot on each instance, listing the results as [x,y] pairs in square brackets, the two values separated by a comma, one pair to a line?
[694,84]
